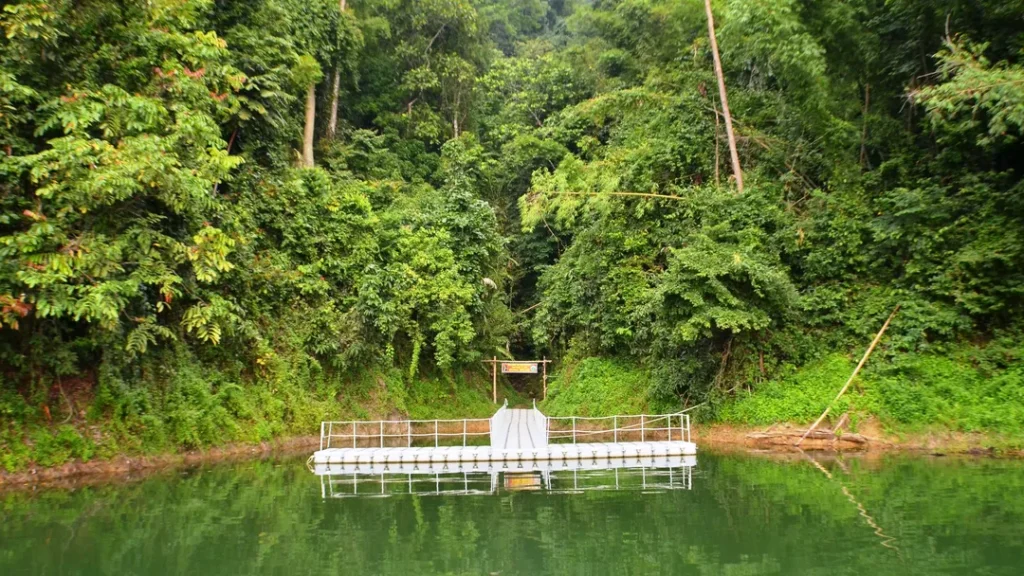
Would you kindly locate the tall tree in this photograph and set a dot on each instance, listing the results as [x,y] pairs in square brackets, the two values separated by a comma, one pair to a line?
[736,169]
[332,124]
[308,73]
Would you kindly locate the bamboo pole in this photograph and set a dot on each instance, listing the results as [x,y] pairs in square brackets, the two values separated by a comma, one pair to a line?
[856,371]
[544,367]
[737,171]
[494,379]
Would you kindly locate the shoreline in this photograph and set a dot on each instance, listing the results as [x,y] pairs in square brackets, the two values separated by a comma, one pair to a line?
[872,438]
[127,468]
[777,439]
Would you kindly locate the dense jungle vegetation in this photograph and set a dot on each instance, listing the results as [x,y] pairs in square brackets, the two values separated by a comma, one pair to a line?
[224,220]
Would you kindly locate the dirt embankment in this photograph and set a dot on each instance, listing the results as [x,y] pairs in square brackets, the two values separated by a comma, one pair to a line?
[870,437]
[126,468]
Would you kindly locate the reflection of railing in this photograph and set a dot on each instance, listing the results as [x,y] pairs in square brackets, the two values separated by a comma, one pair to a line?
[398,433]
[644,479]
[479,482]
[346,486]
[642,428]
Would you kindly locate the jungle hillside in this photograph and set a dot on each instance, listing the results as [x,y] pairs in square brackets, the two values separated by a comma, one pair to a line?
[223,220]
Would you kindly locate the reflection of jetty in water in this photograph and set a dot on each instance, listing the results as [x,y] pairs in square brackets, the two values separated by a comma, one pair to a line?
[645,474]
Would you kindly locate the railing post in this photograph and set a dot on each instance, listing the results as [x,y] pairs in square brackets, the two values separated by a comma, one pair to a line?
[643,433]
[573,429]
[669,427]
[463,433]
[409,432]
[321,435]
[381,433]
[435,433]
[353,433]
[615,428]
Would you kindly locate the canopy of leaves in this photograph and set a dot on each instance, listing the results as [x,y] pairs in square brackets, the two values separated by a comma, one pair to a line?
[515,177]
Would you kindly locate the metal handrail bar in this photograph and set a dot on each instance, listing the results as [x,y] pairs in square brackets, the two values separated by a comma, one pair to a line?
[551,433]
[620,428]
[406,421]
[406,435]
[652,416]
[647,428]
[568,433]
[402,478]
[648,417]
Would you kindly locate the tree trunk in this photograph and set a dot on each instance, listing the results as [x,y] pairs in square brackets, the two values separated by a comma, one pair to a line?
[307,137]
[455,117]
[864,131]
[332,125]
[725,100]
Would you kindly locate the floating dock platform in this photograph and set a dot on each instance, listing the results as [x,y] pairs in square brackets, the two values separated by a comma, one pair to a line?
[510,436]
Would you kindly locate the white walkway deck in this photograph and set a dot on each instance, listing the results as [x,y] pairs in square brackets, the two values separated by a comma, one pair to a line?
[518,430]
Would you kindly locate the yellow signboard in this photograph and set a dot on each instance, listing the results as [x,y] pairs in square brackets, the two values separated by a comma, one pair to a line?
[522,481]
[518,367]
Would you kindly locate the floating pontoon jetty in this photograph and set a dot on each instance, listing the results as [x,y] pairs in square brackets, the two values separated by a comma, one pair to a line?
[511,435]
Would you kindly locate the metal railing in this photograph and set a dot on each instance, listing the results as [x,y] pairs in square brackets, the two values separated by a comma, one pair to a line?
[639,428]
[404,433]
[385,433]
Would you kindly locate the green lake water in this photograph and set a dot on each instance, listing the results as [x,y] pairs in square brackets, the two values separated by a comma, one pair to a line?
[743,515]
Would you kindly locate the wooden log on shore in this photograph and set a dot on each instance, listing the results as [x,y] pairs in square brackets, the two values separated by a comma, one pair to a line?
[813,435]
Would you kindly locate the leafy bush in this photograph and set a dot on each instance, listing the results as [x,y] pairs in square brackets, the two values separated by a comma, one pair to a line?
[966,388]
[599,387]
[60,446]
[797,397]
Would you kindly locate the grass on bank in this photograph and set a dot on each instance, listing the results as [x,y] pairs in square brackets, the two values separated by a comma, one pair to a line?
[968,388]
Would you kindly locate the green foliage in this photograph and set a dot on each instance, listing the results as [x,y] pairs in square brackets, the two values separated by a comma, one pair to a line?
[600,387]
[975,93]
[969,389]
[515,177]
[64,444]
[703,269]
[800,396]
[966,388]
